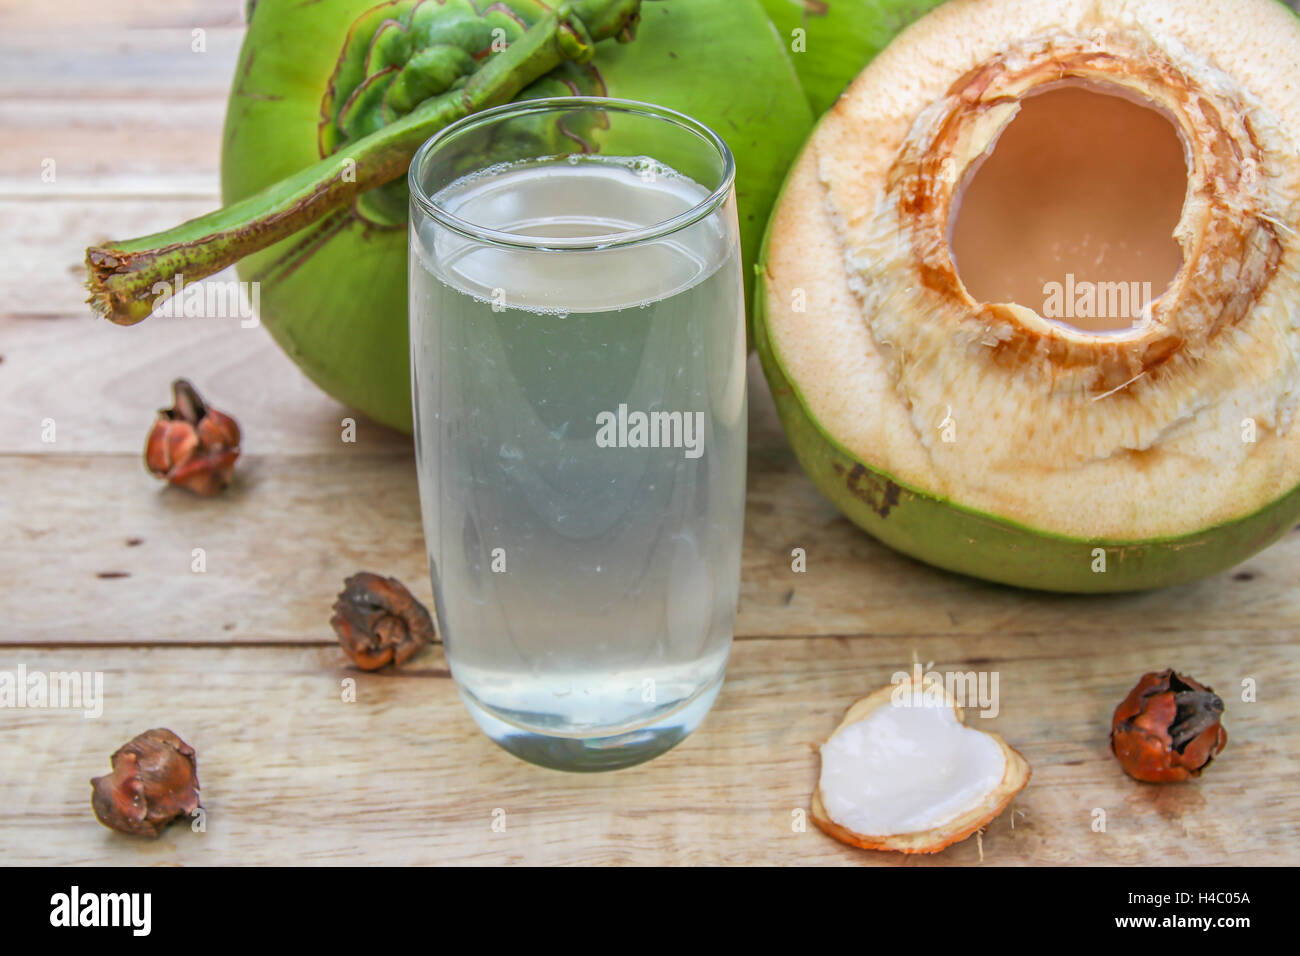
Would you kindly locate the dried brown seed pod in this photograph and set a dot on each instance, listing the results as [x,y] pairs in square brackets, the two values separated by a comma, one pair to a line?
[1167,729]
[192,445]
[379,622]
[155,779]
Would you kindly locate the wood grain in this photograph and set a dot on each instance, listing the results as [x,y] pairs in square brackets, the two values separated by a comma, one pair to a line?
[43,270]
[296,522]
[96,562]
[291,774]
[102,386]
[294,526]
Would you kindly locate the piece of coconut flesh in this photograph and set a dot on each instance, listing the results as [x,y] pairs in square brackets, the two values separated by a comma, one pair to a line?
[908,769]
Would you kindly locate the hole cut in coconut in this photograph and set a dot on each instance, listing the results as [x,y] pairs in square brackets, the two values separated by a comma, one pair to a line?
[1073,213]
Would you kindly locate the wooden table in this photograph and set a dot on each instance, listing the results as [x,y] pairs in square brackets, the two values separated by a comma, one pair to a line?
[95,560]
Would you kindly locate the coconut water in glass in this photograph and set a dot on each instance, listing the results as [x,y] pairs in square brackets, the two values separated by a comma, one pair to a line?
[578,378]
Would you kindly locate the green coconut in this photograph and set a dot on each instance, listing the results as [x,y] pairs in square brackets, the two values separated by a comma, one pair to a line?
[322,84]
[907,314]
[830,41]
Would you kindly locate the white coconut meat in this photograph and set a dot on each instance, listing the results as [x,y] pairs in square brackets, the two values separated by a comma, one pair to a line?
[905,769]
[1159,427]
[903,772]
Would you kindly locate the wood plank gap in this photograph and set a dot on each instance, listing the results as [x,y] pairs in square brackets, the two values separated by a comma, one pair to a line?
[975,660]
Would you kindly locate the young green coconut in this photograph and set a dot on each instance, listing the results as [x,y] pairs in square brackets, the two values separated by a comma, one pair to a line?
[331,99]
[833,39]
[1030,302]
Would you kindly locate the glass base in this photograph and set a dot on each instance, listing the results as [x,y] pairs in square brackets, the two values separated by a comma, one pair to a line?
[595,754]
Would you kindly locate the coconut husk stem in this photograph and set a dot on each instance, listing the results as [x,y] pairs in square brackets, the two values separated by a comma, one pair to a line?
[129,279]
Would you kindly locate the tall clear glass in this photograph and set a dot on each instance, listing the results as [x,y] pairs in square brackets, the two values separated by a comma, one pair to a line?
[578,373]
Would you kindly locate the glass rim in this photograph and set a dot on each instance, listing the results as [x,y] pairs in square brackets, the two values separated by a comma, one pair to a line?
[497,237]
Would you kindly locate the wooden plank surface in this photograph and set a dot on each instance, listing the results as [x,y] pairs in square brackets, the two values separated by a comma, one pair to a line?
[96,562]
[307,509]
[291,773]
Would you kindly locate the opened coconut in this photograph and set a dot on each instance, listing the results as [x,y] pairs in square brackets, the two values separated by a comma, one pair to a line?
[1030,302]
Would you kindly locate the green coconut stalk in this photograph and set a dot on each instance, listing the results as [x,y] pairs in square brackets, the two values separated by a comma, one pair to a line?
[433,85]
[320,83]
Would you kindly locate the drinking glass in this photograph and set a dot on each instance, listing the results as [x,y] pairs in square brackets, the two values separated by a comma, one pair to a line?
[578,377]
